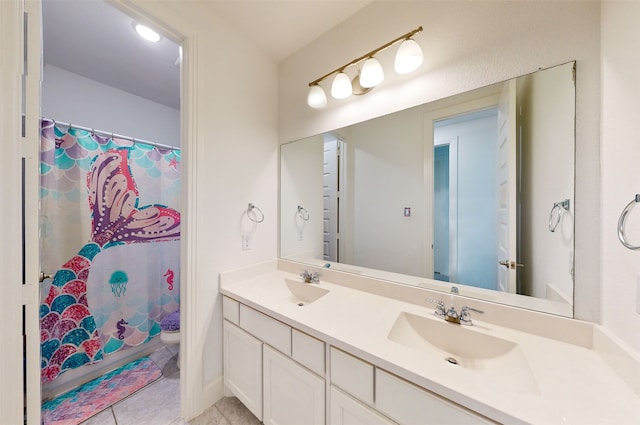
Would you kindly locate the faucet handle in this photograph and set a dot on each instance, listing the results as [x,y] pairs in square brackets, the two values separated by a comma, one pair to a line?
[440,310]
[465,316]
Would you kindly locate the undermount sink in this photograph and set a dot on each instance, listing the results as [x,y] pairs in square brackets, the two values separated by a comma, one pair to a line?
[305,293]
[501,360]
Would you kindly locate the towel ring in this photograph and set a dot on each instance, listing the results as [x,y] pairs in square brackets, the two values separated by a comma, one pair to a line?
[556,214]
[303,213]
[250,212]
[621,220]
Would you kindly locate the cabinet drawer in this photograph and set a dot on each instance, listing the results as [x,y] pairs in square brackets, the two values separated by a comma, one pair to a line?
[231,310]
[409,404]
[353,375]
[308,351]
[272,332]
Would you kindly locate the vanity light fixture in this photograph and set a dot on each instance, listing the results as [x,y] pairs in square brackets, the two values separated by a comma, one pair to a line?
[147,33]
[408,58]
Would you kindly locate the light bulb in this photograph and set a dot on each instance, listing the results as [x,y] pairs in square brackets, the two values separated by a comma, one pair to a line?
[371,74]
[147,33]
[316,97]
[409,57]
[341,87]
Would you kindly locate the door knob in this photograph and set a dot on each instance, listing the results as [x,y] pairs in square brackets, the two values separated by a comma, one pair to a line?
[44,276]
[510,264]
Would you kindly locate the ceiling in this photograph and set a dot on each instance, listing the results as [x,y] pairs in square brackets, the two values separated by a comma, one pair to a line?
[95,40]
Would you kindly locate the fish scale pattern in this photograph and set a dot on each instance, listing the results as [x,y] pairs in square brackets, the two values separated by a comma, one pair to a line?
[86,315]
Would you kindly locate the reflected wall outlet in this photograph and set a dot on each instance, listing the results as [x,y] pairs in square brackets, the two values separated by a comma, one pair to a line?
[245,243]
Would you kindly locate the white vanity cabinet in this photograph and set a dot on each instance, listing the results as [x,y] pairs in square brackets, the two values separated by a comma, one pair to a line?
[277,372]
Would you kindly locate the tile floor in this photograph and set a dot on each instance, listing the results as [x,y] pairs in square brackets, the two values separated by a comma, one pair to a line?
[159,403]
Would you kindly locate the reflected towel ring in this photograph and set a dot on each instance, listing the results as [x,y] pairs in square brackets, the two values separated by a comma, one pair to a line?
[622,219]
[303,213]
[556,214]
[250,212]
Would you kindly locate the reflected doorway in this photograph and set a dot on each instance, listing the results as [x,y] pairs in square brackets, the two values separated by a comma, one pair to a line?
[466,198]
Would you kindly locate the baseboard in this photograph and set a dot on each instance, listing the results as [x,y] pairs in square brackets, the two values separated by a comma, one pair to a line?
[211,394]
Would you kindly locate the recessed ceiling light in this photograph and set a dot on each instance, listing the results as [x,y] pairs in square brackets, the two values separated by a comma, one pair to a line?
[147,33]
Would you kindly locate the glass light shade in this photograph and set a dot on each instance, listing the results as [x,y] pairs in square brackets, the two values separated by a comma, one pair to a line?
[409,57]
[147,33]
[371,74]
[316,97]
[341,87]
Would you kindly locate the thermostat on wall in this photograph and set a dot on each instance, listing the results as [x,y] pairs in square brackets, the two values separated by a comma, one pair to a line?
[407,212]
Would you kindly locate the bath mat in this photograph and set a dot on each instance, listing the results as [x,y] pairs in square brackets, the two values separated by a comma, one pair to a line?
[91,398]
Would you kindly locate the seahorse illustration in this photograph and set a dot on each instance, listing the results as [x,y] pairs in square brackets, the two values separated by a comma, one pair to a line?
[69,334]
[169,275]
[121,328]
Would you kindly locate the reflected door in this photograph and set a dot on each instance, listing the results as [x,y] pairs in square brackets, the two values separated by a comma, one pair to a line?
[507,189]
[331,199]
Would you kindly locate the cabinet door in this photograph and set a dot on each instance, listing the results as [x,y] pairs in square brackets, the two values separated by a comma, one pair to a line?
[348,411]
[243,367]
[293,395]
[409,404]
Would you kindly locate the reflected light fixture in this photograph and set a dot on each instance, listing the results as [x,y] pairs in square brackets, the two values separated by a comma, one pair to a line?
[147,33]
[408,58]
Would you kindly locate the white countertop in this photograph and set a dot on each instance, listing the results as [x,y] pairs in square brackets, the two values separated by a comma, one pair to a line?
[565,383]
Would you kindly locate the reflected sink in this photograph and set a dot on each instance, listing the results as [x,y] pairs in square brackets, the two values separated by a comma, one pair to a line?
[305,293]
[501,360]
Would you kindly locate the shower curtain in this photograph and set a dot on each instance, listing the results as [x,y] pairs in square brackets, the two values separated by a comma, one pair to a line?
[110,227]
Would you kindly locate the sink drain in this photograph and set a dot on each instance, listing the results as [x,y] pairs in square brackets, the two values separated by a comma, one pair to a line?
[451,360]
[300,304]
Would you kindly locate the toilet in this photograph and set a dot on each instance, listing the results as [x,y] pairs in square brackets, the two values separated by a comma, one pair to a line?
[170,331]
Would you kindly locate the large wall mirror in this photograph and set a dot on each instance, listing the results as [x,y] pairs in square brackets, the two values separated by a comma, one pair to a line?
[474,191]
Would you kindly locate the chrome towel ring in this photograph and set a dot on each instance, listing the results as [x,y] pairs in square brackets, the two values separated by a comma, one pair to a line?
[556,214]
[622,219]
[303,213]
[252,215]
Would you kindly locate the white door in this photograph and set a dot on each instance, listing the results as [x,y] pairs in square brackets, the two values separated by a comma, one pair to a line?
[331,199]
[20,43]
[507,261]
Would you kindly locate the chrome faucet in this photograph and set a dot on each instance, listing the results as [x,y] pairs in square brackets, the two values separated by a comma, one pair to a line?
[440,311]
[452,316]
[465,316]
[310,277]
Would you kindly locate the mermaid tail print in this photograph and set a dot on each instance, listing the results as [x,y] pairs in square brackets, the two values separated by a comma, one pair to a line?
[69,336]
[68,333]
[113,198]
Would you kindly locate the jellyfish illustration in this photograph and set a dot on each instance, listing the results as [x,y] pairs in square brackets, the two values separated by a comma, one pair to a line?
[118,283]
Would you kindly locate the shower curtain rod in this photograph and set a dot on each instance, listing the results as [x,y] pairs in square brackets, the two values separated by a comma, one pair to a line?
[111,134]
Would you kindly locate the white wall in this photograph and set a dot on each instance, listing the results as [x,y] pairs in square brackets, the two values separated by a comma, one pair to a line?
[384,177]
[230,158]
[620,147]
[466,45]
[74,99]
[547,178]
[301,184]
